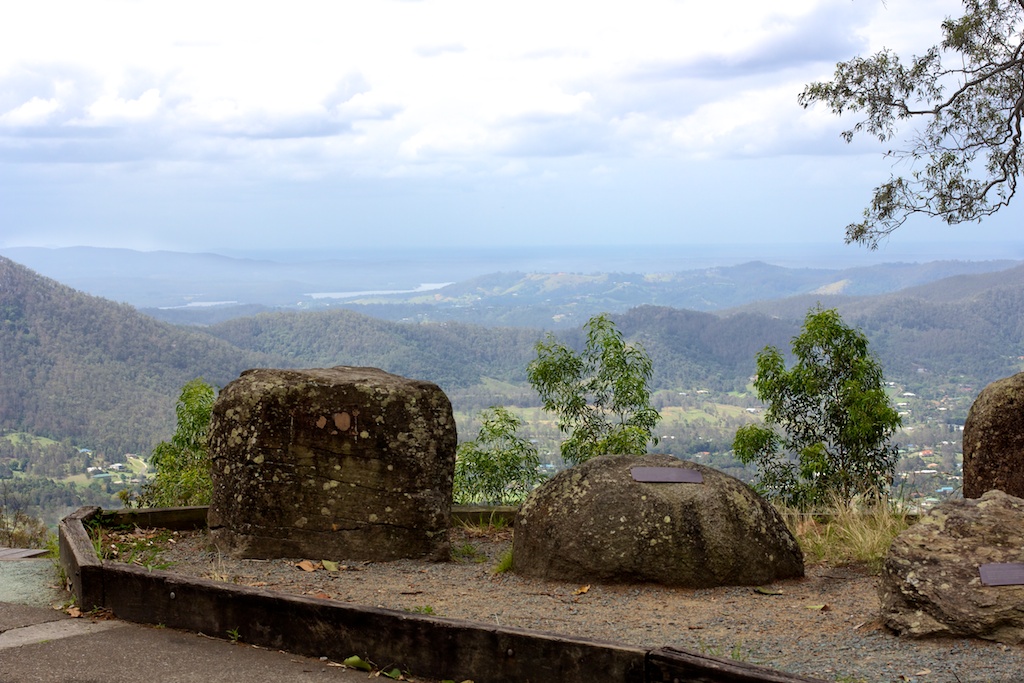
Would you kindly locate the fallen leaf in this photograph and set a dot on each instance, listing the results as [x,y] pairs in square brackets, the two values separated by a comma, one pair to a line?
[394,674]
[767,591]
[582,589]
[356,662]
[74,612]
[306,566]
[820,608]
[329,566]
[322,596]
[923,672]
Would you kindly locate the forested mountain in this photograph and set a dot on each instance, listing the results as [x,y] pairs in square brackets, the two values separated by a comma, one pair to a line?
[968,328]
[454,355]
[77,367]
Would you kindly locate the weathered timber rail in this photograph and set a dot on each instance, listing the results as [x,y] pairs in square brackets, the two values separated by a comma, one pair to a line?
[425,645]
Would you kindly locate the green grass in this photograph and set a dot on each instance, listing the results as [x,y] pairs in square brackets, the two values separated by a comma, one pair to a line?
[467,552]
[137,464]
[504,563]
[736,653]
[25,438]
[847,534]
[81,480]
[422,609]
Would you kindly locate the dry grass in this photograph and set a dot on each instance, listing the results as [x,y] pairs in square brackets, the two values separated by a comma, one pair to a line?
[844,534]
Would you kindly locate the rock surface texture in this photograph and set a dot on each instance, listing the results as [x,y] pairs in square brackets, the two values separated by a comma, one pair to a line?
[343,462]
[993,440]
[931,585]
[594,523]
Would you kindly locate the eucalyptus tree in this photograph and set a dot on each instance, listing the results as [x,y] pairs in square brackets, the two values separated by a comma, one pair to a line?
[827,421]
[498,467]
[182,465]
[962,100]
[601,396]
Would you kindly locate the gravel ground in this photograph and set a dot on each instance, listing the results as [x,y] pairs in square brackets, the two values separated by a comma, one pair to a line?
[824,625]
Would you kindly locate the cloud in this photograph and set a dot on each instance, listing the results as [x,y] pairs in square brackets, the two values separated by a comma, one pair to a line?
[553,136]
[828,33]
[438,50]
[36,112]
[112,108]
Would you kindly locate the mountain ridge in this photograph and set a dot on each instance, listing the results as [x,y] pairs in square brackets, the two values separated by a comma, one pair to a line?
[74,366]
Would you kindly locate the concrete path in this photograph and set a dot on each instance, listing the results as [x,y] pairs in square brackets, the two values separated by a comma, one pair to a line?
[41,644]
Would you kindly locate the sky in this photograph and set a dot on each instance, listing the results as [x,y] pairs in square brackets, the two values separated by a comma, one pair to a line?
[334,124]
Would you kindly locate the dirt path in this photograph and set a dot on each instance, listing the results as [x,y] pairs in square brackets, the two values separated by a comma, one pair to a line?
[823,625]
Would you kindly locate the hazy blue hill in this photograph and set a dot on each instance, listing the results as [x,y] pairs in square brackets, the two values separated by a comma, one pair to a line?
[553,300]
[965,286]
[544,288]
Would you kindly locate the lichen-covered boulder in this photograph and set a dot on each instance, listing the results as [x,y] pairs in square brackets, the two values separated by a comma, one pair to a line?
[993,441]
[595,523]
[931,585]
[344,462]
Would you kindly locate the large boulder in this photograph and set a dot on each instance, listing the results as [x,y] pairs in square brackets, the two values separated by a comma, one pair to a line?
[993,441]
[595,523]
[931,584]
[344,462]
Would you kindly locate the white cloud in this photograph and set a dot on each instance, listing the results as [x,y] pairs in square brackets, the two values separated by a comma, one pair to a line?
[113,109]
[419,81]
[460,93]
[37,111]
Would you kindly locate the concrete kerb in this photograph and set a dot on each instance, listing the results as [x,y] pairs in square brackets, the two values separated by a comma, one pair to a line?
[425,645]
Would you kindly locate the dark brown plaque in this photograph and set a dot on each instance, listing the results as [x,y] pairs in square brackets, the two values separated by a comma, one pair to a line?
[1002,574]
[667,475]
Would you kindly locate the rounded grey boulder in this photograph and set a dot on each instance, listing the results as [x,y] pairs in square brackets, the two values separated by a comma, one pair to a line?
[993,440]
[595,523]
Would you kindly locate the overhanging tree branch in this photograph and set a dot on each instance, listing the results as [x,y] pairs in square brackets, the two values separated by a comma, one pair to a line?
[970,143]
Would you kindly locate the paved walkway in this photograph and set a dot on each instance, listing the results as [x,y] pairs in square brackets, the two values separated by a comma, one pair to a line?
[40,644]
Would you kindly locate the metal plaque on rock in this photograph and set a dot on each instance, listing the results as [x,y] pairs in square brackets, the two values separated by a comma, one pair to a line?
[1002,574]
[667,475]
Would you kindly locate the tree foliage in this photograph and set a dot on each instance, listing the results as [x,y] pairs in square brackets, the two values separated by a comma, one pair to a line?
[183,463]
[969,92]
[18,529]
[601,396]
[827,419]
[498,467]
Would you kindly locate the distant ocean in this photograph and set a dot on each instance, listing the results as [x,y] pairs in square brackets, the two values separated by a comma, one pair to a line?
[423,265]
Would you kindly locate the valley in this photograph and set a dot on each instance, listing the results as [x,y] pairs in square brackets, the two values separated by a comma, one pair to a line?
[89,383]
